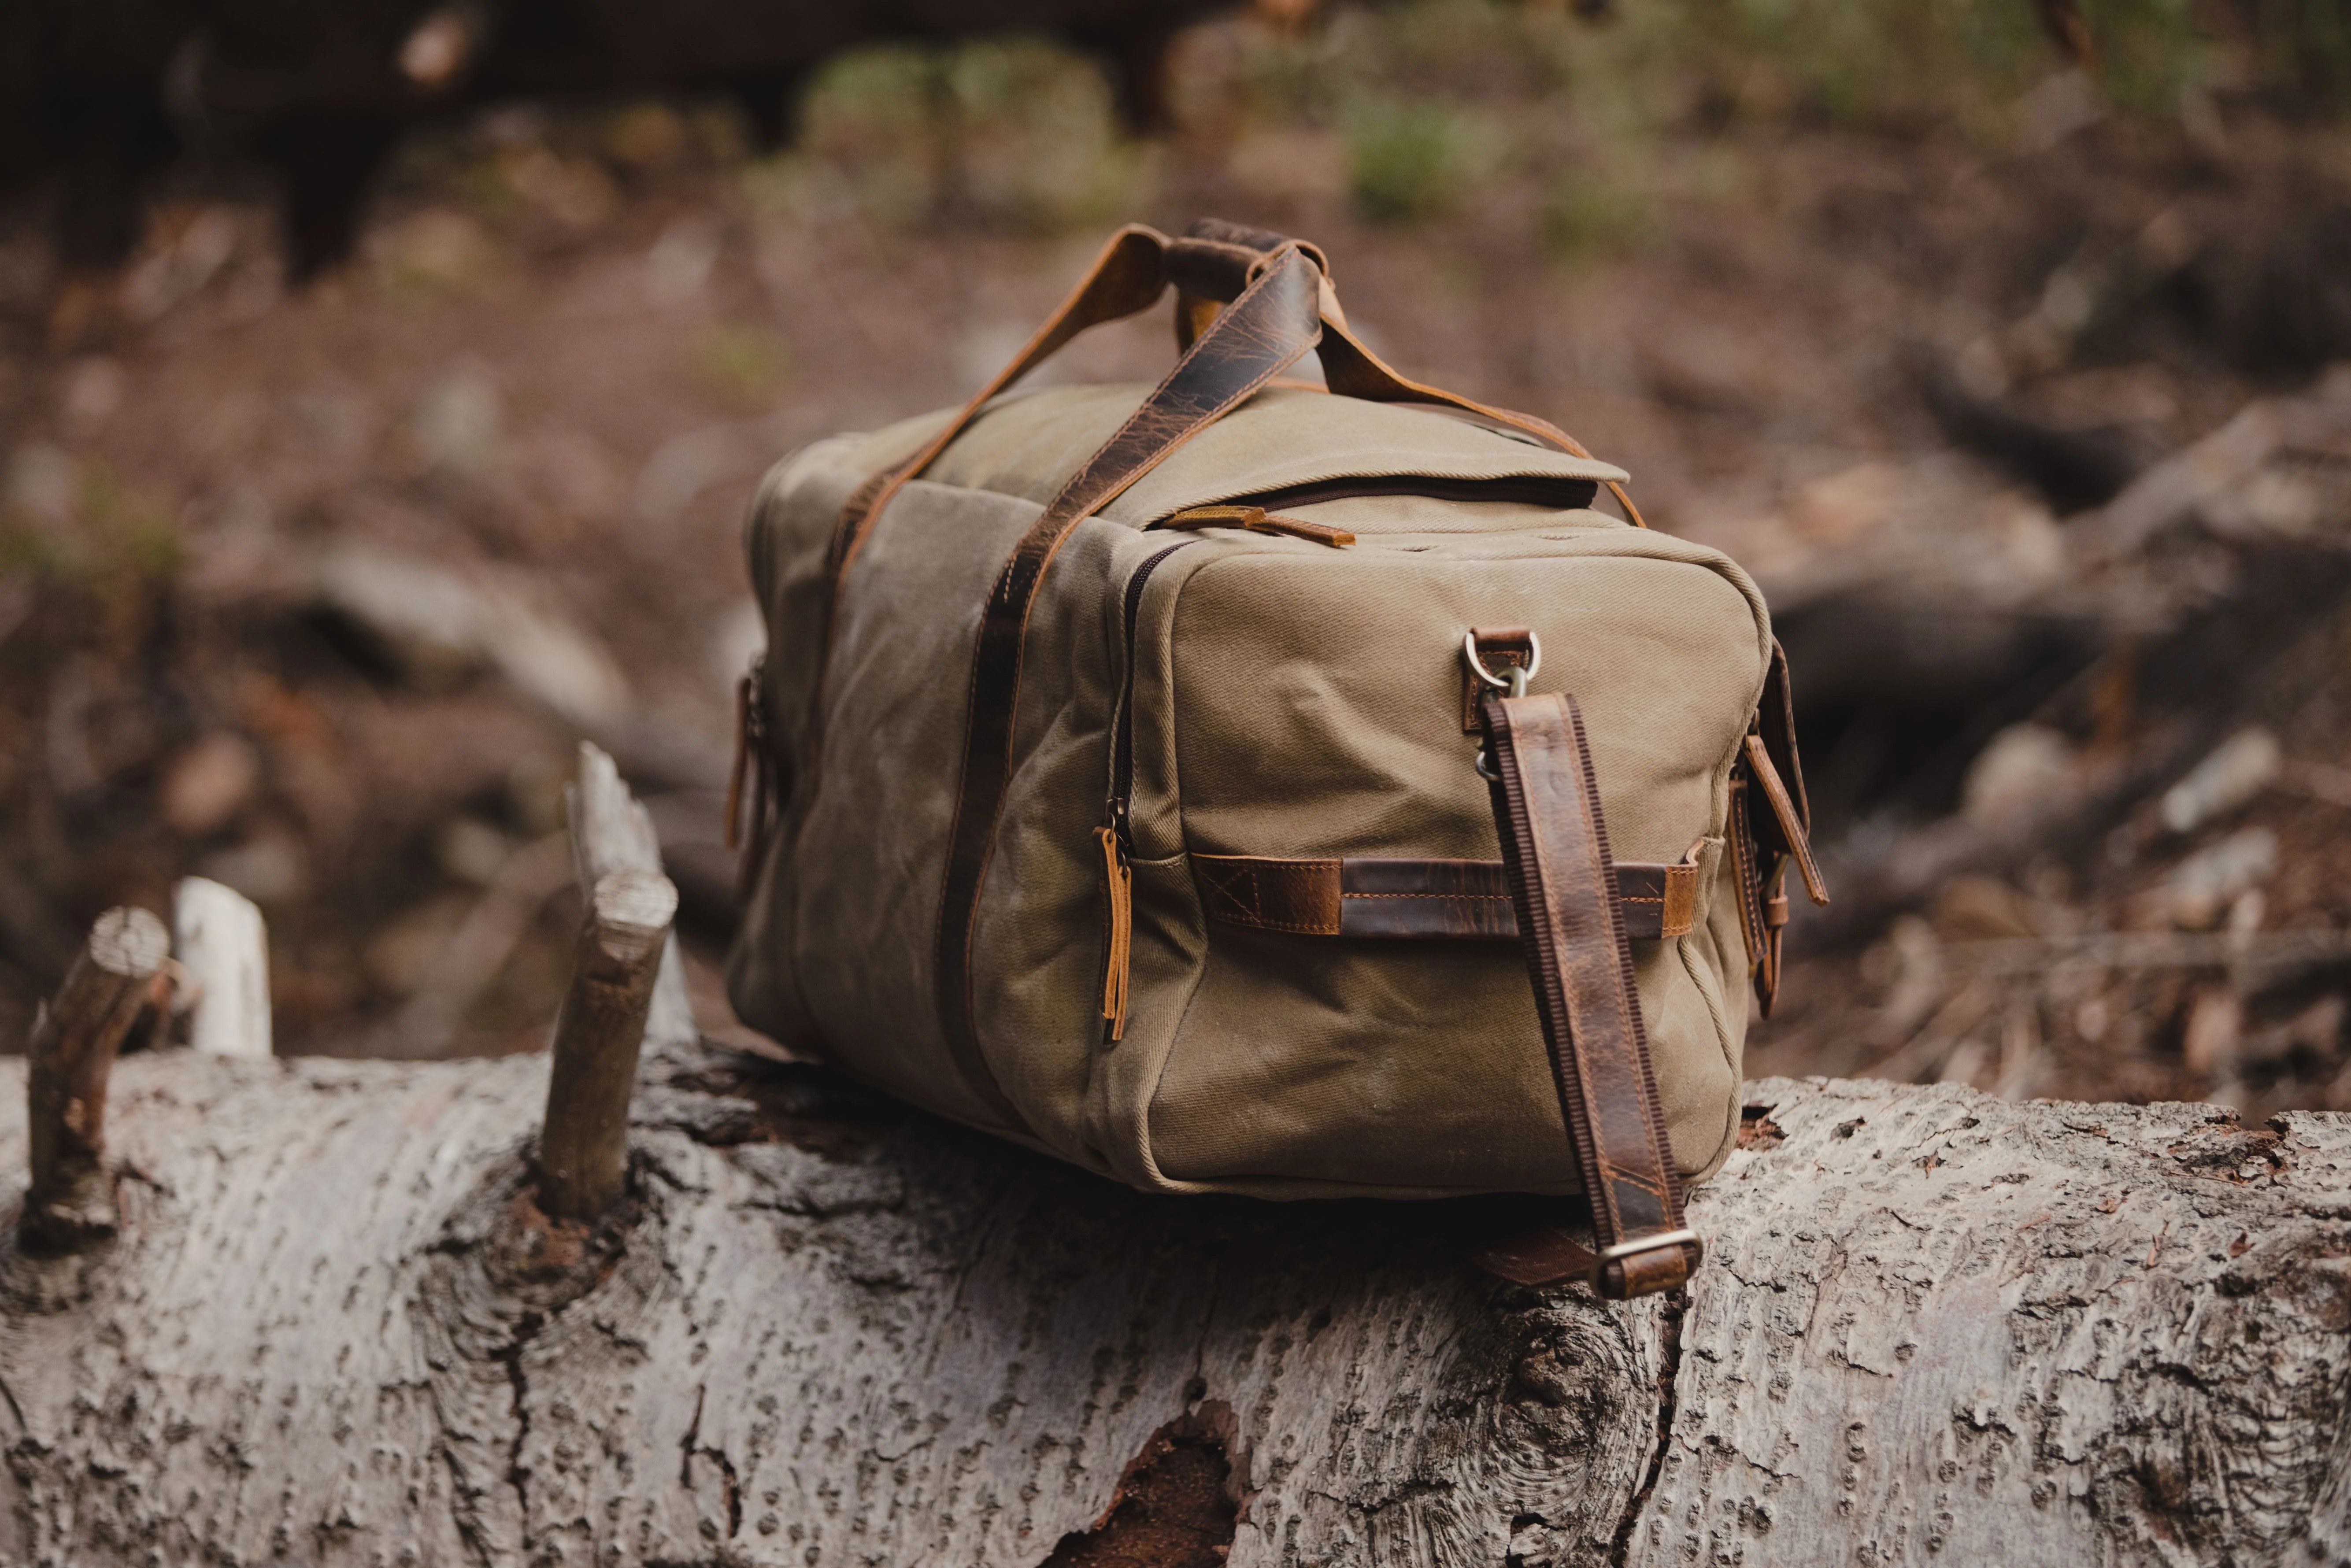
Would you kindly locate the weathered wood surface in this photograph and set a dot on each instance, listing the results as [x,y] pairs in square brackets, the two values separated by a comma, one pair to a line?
[1934,1326]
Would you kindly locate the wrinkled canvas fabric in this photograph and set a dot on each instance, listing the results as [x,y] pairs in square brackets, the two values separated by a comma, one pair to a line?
[1289,700]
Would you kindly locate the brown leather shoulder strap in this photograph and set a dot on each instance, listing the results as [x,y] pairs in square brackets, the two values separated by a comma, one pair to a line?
[1259,335]
[1555,852]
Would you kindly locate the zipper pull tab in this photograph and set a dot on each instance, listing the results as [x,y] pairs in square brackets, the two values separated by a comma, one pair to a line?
[1120,882]
[1257,520]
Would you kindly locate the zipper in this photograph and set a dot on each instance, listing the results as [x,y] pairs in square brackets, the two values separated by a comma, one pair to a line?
[1116,834]
[1560,491]
[1257,520]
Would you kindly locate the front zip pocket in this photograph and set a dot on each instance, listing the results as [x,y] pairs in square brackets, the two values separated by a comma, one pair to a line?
[1115,836]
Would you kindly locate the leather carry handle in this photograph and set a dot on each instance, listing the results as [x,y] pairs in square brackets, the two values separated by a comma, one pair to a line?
[1546,804]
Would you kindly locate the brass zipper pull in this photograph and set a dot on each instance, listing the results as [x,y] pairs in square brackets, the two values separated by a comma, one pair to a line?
[1257,520]
[1120,880]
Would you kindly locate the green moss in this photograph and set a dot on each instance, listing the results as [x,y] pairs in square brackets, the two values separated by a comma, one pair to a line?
[1015,134]
[1404,159]
[741,359]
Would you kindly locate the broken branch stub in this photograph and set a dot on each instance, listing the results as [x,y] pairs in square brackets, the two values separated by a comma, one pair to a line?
[612,831]
[584,1147]
[71,1199]
[225,945]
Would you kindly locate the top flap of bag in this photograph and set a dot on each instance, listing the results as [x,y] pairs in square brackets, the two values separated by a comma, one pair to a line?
[1028,445]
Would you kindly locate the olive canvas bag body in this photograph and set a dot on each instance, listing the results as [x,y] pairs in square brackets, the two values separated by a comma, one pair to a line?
[1257,785]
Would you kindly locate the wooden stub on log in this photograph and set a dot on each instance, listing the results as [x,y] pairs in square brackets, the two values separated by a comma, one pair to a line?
[71,1199]
[219,938]
[583,1149]
[612,831]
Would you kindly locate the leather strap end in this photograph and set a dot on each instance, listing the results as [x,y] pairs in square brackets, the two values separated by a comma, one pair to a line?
[1784,814]
[1536,1258]
[1552,1257]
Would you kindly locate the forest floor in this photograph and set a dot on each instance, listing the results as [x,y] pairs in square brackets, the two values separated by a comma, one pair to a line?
[1897,376]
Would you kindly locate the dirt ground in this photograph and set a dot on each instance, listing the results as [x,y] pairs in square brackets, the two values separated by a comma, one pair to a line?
[541,392]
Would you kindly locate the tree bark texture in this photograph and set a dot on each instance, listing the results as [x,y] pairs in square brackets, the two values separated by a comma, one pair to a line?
[1932,1326]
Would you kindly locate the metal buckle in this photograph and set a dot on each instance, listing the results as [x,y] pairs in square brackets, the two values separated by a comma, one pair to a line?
[1624,1249]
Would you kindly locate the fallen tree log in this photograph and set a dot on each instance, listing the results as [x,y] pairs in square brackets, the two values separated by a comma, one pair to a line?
[824,1330]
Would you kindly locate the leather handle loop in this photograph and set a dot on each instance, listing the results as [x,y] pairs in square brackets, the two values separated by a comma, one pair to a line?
[1215,260]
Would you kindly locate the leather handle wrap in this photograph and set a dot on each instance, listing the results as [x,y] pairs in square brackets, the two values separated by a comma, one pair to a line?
[1546,804]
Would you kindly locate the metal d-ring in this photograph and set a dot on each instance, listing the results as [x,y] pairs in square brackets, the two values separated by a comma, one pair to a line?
[1514,685]
[1518,678]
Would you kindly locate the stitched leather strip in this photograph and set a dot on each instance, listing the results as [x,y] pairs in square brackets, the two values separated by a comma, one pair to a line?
[1418,898]
[1255,339]
[1555,847]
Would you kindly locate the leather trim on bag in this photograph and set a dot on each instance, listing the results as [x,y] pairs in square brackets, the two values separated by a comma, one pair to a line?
[1440,899]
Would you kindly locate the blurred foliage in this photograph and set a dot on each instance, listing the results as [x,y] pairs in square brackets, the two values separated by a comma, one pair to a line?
[1590,215]
[83,534]
[1410,158]
[1428,107]
[1015,134]
[1418,91]
[744,359]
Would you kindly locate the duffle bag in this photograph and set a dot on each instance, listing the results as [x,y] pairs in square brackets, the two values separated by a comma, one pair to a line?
[1269,784]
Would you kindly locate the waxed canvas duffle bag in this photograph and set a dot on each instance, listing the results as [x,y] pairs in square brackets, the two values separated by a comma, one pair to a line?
[1266,785]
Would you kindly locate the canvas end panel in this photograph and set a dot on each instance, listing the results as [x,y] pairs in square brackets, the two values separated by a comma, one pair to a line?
[869,857]
[1315,699]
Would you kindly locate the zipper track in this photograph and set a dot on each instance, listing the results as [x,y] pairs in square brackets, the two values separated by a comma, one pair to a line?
[1123,744]
[1560,491]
